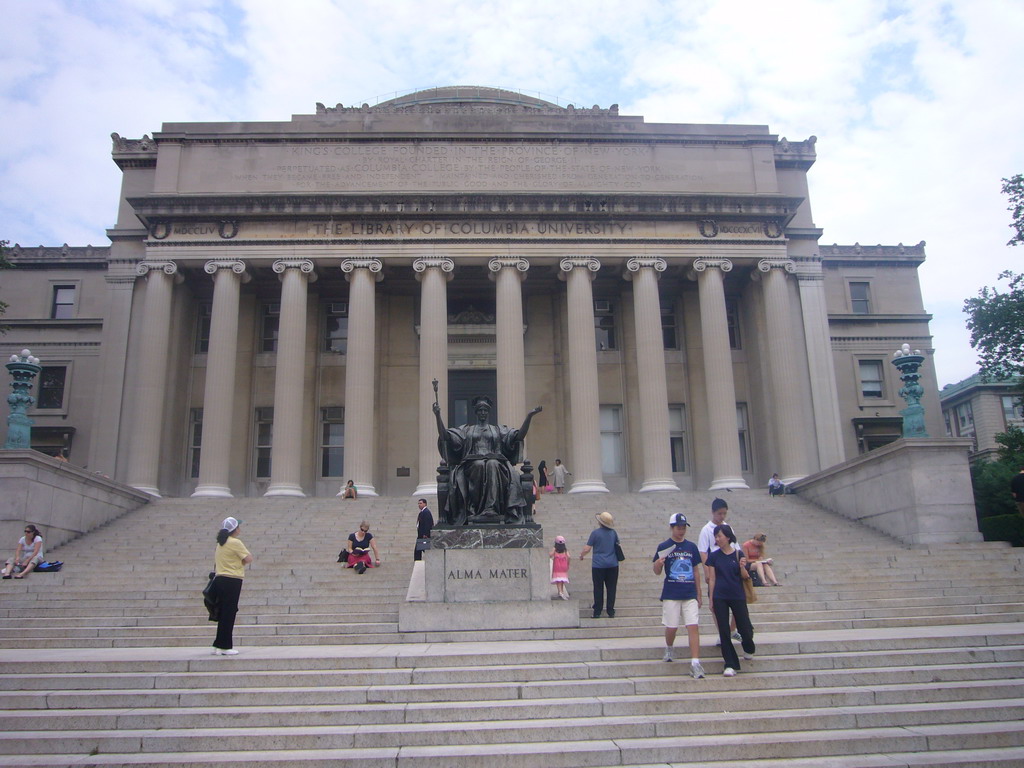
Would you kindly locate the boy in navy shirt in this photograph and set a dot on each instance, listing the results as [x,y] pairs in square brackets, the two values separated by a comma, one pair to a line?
[680,594]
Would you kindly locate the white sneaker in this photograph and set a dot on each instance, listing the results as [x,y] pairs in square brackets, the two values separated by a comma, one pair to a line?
[736,636]
[729,672]
[565,596]
[748,656]
[668,655]
[229,652]
[696,670]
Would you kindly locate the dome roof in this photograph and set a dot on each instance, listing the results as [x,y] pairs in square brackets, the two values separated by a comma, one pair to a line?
[467,94]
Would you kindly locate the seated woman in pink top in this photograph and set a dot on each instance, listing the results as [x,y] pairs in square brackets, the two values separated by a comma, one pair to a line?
[756,561]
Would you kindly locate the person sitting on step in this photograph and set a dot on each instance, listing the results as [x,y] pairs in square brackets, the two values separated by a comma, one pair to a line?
[359,545]
[27,555]
[757,562]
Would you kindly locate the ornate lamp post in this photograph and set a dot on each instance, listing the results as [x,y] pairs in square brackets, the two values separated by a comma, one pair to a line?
[24,368]
[909,364]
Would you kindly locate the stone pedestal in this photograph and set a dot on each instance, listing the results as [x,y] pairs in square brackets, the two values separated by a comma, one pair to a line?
[486,578]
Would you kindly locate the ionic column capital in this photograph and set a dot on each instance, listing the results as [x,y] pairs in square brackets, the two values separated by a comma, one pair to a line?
[767,265]
[588,263]
[516,263]
[167,267]
[446,265]
[702,264]
[235,265]
[635,264]
[305,266]
[348,266]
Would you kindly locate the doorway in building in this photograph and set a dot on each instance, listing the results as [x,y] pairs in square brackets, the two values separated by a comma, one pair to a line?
[463,386]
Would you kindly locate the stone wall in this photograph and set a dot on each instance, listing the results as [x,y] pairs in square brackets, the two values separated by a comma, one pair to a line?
[62,500]
[917,491]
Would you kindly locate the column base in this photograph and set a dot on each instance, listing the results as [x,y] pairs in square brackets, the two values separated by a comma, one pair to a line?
[148,489]
[213,492]
[658,485]
[285,489]
[725,483]
[589,486]
[361,490]
[425,489]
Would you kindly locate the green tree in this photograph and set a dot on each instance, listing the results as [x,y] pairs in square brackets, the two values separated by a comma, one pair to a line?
[1013,188]
[995,319]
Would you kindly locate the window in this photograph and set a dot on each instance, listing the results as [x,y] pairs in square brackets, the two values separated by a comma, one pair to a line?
[203,328]
[613,460]
[195,440]
[949,423]
[336,329]
[332,442]
[63,305]
[668,325]
[1013,409]
[271,319]
[871,381]
[52,380]
[677,436]
[732,318]
[743,430]
[860,298]
[264,440]
[604,325]
[964,419]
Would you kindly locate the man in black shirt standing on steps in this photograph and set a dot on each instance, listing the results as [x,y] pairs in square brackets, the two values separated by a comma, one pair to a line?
[424,524]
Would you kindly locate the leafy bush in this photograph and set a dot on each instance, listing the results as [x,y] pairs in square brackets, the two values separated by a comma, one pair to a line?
[1003,528]
[991,481]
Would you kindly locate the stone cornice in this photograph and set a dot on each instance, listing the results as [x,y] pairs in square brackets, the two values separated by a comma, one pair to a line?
[772,209]
[66,254]
[133,153]
[836,254]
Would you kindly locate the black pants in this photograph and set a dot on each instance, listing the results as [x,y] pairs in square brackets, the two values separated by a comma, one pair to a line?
[604,579]
[227,589]
[743,626]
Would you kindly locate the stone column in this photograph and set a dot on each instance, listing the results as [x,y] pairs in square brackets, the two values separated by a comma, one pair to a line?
[508,274]
[360,372]
[821,366]
[582,362]
[787,404]
[721,390]
[650,361]
[433,274]
[219,395]
[147,423]
[289,400]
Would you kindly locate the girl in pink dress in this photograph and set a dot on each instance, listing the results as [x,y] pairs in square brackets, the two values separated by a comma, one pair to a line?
[560,567]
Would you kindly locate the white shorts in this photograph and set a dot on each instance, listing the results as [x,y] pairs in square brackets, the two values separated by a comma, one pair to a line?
[672,610]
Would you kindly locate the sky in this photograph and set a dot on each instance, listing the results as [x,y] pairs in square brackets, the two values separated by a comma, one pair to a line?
[916,105]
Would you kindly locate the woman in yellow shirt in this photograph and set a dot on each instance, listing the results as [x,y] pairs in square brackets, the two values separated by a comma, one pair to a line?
[230,559]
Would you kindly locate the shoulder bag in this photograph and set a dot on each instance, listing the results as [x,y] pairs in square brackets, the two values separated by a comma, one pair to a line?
[748,585]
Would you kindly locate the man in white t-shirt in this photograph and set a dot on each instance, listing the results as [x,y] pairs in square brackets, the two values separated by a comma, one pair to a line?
[706,543]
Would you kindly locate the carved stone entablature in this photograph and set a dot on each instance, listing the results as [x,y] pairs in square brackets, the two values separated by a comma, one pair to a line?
[774,210]
[795,154]
[517,263]
[446,265]
[567,265]
[348,266]
[723,264]
[145,267]
[867,254]
[637,263]
[64,254]
[235,265]
[708,227]
[305,266]
[227,229]
[463,99]
[133,153]
[767,265]
[772,229]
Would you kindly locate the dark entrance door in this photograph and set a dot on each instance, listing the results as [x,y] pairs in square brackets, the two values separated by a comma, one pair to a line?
[463,386]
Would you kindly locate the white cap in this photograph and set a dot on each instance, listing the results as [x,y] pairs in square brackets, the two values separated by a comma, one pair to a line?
[230,524]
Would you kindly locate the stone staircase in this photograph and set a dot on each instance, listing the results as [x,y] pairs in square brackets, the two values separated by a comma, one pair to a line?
[871,654]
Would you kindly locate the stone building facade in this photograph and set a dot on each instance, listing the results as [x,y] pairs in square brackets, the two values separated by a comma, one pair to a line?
[980,410]
[278,299]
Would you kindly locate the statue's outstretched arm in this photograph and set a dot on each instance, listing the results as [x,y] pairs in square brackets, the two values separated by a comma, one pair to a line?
[526,422]
[437,418]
